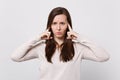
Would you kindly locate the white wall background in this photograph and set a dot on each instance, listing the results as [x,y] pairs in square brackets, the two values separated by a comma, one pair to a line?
[23,19]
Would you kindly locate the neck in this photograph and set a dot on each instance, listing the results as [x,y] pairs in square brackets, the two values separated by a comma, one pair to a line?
[59,40]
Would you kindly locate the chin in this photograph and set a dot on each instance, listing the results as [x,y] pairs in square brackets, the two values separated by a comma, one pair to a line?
[59,36]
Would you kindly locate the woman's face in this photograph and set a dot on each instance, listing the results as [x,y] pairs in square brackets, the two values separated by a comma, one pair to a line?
[59,26]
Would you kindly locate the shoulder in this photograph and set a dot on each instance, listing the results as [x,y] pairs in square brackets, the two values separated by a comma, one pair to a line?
[77,45]
[40,44]
[40,47]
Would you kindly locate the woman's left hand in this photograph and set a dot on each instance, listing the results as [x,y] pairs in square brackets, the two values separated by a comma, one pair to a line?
[71,34]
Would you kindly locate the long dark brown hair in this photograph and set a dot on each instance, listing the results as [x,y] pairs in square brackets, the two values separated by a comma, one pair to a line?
[67,49]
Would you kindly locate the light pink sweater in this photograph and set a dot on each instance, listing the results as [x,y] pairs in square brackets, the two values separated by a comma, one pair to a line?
[84,49]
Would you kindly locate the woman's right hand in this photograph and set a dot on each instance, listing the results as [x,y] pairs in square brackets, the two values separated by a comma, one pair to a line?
[46,35]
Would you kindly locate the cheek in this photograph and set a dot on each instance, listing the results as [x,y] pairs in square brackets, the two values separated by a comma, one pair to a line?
[53,29]
[65,28]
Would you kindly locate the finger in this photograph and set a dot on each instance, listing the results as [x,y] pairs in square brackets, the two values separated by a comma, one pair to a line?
[48,34]
[68,38]
[69,27]
[71,36]
[68,35]
[44,37]
[50,37]
[48,29]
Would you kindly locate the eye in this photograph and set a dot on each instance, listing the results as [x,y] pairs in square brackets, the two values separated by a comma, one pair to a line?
[63,23]
[54,23]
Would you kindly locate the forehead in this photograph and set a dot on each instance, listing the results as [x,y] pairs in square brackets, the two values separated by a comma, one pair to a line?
[60,17]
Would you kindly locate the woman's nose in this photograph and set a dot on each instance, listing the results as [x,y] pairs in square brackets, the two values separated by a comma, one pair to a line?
[58,27]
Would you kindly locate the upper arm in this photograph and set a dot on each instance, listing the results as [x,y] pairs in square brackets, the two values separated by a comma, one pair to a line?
[88,54]
[95,53]
[28,50]
[90,50]
[30,54]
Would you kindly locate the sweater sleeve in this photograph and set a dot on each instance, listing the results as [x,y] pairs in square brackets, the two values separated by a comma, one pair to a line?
[92,51]
[27,50]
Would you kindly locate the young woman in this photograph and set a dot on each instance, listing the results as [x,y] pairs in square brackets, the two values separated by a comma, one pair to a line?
[60,49]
